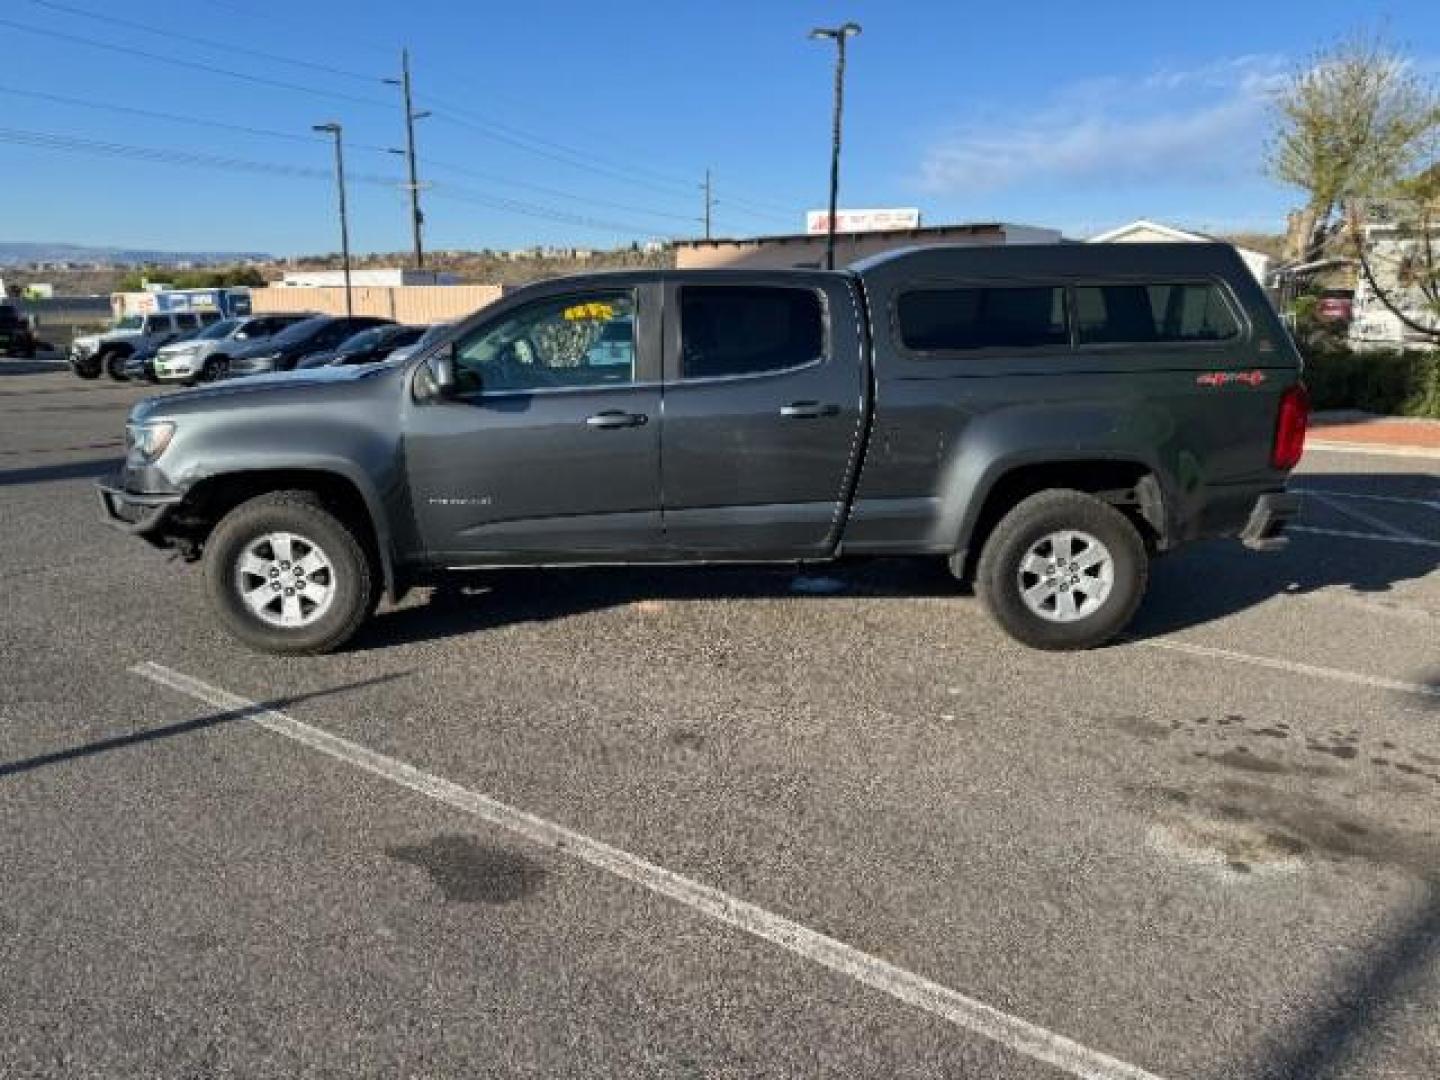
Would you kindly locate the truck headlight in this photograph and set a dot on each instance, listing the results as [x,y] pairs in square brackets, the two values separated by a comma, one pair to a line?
[148,441]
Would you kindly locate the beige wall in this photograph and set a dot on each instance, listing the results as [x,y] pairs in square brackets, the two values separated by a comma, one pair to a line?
[403,303]
[793,251]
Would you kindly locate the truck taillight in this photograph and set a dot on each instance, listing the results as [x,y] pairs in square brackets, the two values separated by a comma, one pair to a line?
[1290,428]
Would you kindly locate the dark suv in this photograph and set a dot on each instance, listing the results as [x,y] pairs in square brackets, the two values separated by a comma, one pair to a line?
[16,336]
[282,351]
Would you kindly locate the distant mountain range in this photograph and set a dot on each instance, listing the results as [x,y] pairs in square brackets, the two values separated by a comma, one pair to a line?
[17,252]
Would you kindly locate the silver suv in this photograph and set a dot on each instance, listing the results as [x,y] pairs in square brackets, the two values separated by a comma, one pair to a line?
[206,357]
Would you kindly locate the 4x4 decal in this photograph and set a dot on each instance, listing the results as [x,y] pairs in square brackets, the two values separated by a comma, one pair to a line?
[1224,378]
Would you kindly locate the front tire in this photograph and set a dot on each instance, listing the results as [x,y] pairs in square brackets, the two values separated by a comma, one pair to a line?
[214,369]
[114,365]
[88,368]
[287,576]
[1063,570]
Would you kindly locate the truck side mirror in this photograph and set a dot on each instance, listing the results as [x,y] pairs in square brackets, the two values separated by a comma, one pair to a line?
[443,369]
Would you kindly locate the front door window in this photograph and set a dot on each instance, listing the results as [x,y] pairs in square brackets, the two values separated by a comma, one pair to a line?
[574,341]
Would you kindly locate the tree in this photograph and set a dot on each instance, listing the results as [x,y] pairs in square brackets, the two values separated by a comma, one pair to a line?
[1351,124]
[1358,129]
[225,277]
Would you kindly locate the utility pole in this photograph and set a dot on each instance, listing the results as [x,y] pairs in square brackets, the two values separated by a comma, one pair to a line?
[417,218]
[709,202]
[333,128]
[838,34]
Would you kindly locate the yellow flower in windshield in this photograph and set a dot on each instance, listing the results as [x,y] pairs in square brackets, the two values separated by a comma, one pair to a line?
[590,312]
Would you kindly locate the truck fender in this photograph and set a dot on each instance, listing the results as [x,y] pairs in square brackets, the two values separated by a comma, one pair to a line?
[1079,440]
[295,470]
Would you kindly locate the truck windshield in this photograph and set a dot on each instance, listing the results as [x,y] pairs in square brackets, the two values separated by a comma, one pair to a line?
[128,322]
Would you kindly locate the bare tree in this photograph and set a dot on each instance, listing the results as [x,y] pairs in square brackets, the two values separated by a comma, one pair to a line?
[1351,123]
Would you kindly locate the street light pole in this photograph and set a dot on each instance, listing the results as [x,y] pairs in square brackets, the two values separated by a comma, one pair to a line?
[333,128]
[839,35]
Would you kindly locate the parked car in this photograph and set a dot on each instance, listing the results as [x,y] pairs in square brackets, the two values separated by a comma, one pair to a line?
[1336,305]
[366,347]
[141,363]
[92,354]
[1045,418]
[17,337]
[435,332]
[285,349]
[206,357]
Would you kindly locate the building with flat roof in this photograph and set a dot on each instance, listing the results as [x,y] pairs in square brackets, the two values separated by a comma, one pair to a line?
[380,278]
[807,250]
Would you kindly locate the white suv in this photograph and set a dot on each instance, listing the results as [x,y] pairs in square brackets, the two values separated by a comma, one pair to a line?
[92,354]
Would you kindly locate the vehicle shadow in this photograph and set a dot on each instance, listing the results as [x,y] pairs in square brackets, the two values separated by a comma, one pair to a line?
[66,470]
[184,727]
[1209,581]
[1330,1040]
[1198,585]
[471,603]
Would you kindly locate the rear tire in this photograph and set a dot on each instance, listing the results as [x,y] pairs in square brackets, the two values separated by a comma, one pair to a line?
[1063,570]
[287,576]
[113,364]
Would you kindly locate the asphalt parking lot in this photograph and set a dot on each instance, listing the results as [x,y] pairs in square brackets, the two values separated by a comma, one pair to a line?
[719,823]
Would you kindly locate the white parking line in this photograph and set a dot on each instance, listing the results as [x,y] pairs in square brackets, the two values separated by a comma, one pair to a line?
[964,1012]
[1429,504]
[1349,535]
[1372,449]
[1334,674]
[1356,514]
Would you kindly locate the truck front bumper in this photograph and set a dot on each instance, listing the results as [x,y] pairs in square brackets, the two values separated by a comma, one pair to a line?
[1265,531]
[135,513]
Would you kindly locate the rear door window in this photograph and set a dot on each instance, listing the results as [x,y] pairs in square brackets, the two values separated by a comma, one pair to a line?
[1153,313]
[728,330]
[983,317]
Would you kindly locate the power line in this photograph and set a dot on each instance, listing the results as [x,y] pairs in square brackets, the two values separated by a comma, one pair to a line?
[194,65]
[532,210]
[154,155]
[648,176]
[493,129]
[210,43]
[156,114]
[249,12]
[291,136]
[565,155]
[480,174]
[50,141]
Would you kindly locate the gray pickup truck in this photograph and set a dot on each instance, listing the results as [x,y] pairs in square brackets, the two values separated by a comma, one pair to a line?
[1046,418]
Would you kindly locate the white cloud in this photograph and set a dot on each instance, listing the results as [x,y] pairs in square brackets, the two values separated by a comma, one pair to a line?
[1198,124]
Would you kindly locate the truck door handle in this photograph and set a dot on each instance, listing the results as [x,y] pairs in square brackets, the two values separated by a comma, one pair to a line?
[807,410]
[614,418]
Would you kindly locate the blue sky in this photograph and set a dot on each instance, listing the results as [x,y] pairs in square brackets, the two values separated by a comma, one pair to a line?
[585,123]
